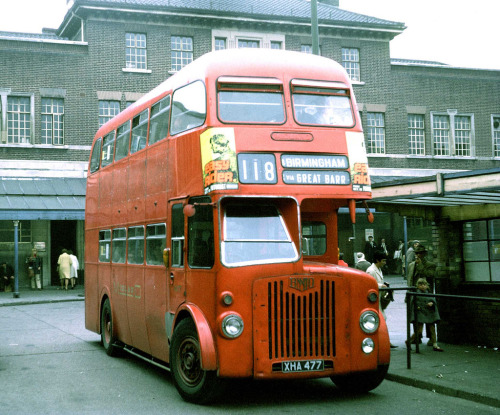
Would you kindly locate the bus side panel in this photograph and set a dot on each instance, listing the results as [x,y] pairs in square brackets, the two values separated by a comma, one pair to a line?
[136,187]
[157,183]
[136,308]
[115,278]
[91,281]
[155,297]
[188,168]
[119,195]
[92,205]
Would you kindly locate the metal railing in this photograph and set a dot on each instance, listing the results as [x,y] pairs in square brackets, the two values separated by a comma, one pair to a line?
[411,292]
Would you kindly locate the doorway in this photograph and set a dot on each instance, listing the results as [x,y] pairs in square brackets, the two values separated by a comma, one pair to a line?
[62,236]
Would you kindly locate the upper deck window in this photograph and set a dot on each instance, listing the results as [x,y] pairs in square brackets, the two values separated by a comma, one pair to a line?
[189,107]
[250,100]
[322,103]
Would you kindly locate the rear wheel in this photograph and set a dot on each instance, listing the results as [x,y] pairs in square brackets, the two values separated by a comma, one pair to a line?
[361,382]
[192,382]
[108,339]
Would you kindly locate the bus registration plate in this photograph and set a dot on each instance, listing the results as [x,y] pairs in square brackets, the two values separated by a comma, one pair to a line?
[302,366]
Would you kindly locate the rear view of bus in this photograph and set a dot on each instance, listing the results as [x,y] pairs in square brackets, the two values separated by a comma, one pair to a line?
[234,212]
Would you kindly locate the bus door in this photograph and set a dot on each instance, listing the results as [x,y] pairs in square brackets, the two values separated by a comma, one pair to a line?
[135,289]
[176,271]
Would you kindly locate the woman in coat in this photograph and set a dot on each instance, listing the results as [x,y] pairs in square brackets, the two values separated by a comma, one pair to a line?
[64,266]
[427,313]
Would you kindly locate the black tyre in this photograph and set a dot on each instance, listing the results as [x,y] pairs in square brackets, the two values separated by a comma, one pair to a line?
[108,338]
[361,382]
[192,382]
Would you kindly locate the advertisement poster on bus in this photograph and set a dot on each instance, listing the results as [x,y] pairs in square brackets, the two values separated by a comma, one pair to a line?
[218,159]
[358,162]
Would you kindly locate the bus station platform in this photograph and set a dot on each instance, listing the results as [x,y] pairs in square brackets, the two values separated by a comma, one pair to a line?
[464,371]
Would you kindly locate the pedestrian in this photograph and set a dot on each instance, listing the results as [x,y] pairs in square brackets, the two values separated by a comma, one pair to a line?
[370,248]
[398,258]
[74,268]
[34,270]
[383,248]
[64,267]
[421,268]
[362,263]
[427,313]
[375,270]
[6,277]
[410,253]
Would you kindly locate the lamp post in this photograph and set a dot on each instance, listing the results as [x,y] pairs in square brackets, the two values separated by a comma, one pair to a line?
[314,27]
[16,264]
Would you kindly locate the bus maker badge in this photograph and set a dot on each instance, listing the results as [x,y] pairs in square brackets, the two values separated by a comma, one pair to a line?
[218,159]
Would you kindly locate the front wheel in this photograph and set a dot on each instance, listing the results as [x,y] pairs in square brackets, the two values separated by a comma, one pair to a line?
[192,382]
[108,339]
[361,382]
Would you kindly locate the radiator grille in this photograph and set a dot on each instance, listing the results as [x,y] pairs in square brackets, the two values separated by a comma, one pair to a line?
[301,324]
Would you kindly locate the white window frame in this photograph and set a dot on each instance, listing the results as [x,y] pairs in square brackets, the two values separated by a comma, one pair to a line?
[180,57]
[452,133]
[108,115]
[351,63]
[495,135]
[416,134]
[378,130]
[133,59]
[56,119]
[232,37]
[5,94]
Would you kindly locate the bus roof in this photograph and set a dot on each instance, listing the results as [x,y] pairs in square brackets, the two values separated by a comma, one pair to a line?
[268,63]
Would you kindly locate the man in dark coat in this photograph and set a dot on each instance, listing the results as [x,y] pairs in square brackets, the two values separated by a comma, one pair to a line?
[370,248]
[421,268]
[6,277]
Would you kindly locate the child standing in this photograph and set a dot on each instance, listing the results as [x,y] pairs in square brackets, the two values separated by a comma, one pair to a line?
[427,313]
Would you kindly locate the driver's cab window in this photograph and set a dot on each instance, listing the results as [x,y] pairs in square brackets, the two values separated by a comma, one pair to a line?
[313,238]
[177,235]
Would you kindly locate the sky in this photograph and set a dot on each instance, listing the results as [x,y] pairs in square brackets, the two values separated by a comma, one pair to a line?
[461,33]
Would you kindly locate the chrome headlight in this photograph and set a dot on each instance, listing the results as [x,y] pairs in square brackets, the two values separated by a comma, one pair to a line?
[369,321]
[368,345]
[232,326]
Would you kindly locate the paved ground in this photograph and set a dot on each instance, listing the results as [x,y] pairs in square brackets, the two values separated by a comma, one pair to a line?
[469,372]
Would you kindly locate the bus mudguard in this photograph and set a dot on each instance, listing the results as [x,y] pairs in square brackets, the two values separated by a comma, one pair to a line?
[384,353]
[207,345]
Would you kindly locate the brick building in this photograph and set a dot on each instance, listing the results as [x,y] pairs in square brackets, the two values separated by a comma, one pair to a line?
[56,88]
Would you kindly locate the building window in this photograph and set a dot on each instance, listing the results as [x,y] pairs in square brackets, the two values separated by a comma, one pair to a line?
[481,250]
[416,134]
[7,231]
[18,120]
[308,49]
[495,129]
[350,62]
[182,52]
[375,133]
[53,121]
[247,43]
[276,45]
[107,110]
[452,134]
[135,52]
[220,43]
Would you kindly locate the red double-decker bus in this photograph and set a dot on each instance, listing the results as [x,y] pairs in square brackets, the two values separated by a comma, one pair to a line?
[211,226]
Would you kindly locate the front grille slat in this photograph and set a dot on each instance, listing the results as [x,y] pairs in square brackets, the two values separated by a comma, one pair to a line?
[301,324]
